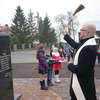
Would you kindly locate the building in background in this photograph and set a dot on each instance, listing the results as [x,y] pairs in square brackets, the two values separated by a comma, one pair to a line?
[5,29]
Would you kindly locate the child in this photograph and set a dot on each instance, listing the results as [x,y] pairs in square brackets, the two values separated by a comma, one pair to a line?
[43,66]
[50,69]
[57,66]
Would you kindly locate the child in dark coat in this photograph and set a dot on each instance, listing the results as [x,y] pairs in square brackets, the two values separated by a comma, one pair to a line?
[43,65]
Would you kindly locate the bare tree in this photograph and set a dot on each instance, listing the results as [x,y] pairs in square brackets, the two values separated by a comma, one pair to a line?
[72,24]
[68,21]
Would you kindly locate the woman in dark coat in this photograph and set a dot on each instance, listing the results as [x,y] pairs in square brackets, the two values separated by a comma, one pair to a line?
[42,65]
[84,69]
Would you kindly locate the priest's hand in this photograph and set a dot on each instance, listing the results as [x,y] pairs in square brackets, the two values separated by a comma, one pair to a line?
[65,31]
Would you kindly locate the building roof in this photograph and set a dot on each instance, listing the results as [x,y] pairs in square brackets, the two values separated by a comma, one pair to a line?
[5,30]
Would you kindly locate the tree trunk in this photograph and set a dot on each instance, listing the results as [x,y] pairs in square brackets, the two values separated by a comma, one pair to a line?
[15,47]
[23,46]
[29,45]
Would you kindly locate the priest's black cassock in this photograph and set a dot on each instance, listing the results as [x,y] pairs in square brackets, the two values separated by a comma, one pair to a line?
[83,70]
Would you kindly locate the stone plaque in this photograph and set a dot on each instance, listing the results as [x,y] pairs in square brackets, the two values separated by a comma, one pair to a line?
[4,63]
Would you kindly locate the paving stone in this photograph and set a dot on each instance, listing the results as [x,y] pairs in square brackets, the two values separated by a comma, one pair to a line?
[30,89]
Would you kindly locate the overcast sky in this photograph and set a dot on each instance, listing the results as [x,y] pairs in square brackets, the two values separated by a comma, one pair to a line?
[52,7]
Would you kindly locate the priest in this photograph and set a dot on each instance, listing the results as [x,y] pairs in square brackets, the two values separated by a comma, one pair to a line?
[82,85]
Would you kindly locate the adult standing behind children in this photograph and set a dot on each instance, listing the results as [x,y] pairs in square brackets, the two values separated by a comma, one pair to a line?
[42,65]
[82,84]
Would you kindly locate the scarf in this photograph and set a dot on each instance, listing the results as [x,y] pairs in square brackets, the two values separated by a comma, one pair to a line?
[75,83]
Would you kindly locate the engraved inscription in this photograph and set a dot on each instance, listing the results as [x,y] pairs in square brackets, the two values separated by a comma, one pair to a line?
[4,63]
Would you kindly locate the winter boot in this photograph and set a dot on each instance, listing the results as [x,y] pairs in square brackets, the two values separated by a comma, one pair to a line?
[43,86]
[57,80]
[49,83]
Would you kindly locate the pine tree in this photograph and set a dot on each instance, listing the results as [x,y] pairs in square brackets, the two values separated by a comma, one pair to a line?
[52,39]
[32,26]
[40,30]
[47,34]
[46,28]
[19,27]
